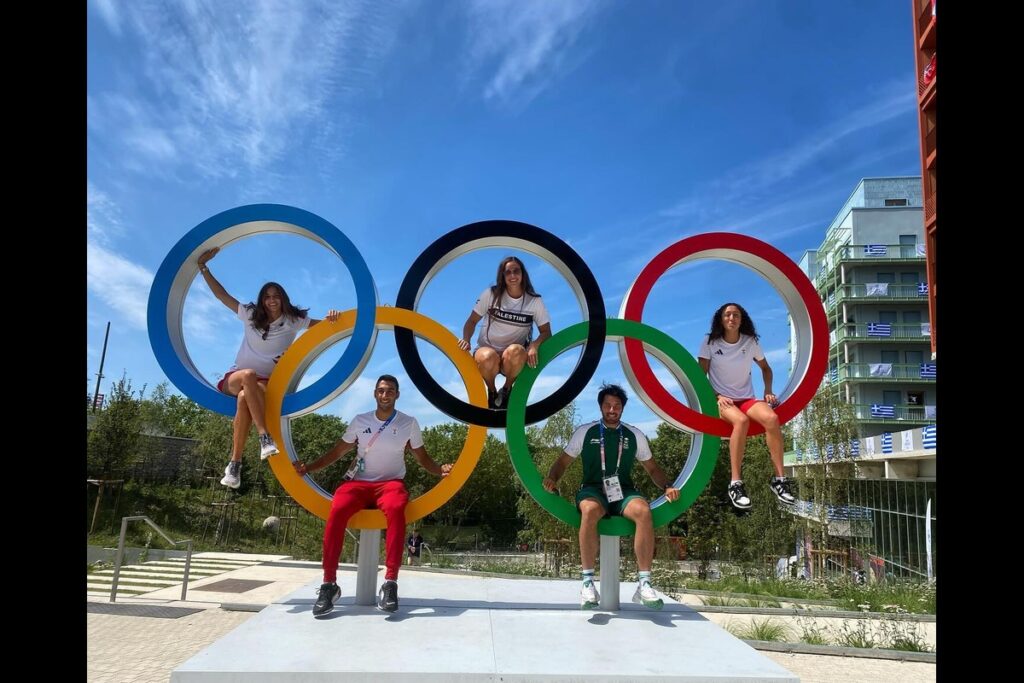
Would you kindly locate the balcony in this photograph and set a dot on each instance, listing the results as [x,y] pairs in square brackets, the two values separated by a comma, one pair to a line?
[901,415]
[882,292]
[929,209]
[871,332]
[883,253]
[888,372]
[925,26]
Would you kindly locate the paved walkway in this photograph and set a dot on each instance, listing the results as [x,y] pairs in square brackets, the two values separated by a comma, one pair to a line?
[128,649]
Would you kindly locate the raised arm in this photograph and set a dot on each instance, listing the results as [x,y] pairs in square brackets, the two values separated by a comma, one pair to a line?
[467,330]
[339,449]
[766,373]
[427,463]
[211,282]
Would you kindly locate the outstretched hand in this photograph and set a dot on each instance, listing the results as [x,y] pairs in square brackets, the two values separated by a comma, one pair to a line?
[445,469]
[207,255]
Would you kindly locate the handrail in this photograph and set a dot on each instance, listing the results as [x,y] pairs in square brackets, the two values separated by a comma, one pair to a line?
[120,553]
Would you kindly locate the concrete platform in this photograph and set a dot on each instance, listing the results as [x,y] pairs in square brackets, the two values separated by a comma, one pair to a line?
[468,628]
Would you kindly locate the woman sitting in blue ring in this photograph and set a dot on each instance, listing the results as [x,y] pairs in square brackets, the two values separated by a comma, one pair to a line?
[504,344]
[271,324]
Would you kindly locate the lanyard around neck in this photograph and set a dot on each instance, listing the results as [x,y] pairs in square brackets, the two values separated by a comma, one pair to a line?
[382,428]
[618,458]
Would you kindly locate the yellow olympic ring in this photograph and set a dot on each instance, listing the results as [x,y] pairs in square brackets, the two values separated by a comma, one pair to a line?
[299,487]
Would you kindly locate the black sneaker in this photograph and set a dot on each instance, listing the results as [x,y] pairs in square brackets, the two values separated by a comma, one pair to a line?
[387,597]
[492,396]
[499,398]
[780,487]
[738,496]
[328,593]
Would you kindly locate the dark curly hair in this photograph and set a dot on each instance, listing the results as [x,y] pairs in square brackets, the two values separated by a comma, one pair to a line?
[746,324]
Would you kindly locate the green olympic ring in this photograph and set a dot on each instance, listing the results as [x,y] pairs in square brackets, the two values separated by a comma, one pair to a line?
[695,475]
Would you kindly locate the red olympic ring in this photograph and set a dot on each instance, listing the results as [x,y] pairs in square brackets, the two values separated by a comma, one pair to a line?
[767,261]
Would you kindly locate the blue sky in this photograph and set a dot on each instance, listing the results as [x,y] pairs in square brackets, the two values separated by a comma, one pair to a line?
[620,127]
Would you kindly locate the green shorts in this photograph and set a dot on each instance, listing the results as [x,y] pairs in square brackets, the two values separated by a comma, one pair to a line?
[610,509]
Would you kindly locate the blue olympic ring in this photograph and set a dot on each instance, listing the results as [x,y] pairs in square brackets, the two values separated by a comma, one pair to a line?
[179,268]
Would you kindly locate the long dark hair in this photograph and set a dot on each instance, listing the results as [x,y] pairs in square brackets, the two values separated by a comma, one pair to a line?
[260,319]
[498,289]
[746,324]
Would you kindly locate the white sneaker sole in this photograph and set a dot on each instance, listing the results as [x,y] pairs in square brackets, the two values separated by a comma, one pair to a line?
[650,604]
[235,485]
[267,453]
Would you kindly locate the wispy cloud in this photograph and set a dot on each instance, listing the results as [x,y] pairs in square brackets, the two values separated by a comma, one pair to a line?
[524,45]
[752,180]
[227,87]
[103,216]
[110,15]
[121,284]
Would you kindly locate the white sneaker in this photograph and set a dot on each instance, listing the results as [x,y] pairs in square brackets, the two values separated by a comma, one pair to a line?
[645,595]
[589,597]
[233,474]
[267,446]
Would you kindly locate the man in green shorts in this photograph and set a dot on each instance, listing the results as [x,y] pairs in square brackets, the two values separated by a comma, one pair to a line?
[610,447]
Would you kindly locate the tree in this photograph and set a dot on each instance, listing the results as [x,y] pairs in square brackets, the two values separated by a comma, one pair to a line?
[487,498]
[824,434]
[546,444]
[114,439]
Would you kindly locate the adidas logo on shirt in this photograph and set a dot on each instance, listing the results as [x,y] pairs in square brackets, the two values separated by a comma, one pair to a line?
[719,352]
[367,431]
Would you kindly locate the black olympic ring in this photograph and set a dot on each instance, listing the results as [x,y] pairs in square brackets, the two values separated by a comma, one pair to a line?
[496,233]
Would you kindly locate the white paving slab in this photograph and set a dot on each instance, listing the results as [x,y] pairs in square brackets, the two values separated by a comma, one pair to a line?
[468,628]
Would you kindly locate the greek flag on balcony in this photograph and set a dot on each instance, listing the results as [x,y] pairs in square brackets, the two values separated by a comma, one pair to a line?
[922,288]
[879,329]
[854,447]
[879,410]
[833,374]
[887,442]
[919,249]
[926,329]
[928,436]
[829,452]
[831,299]
[875,250]
[927,370]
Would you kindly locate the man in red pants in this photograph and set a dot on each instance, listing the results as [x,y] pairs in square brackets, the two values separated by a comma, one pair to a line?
[375,478]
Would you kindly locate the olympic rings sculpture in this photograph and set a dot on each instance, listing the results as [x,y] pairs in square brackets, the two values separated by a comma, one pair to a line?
[179,269]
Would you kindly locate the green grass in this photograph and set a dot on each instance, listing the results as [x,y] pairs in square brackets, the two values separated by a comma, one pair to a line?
[757,629]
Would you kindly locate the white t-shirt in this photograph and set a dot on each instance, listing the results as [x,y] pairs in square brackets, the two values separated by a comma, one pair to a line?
[259,354]
[385,459]
[511,321]
[729,371]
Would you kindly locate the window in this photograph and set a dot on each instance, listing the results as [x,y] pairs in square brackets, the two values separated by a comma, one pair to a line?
[909,240]
[911,278]
[890,356]
[915,398]
[887,316]
[887,277]
[914,358]
[895,202]
[892,397]
[912,317]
